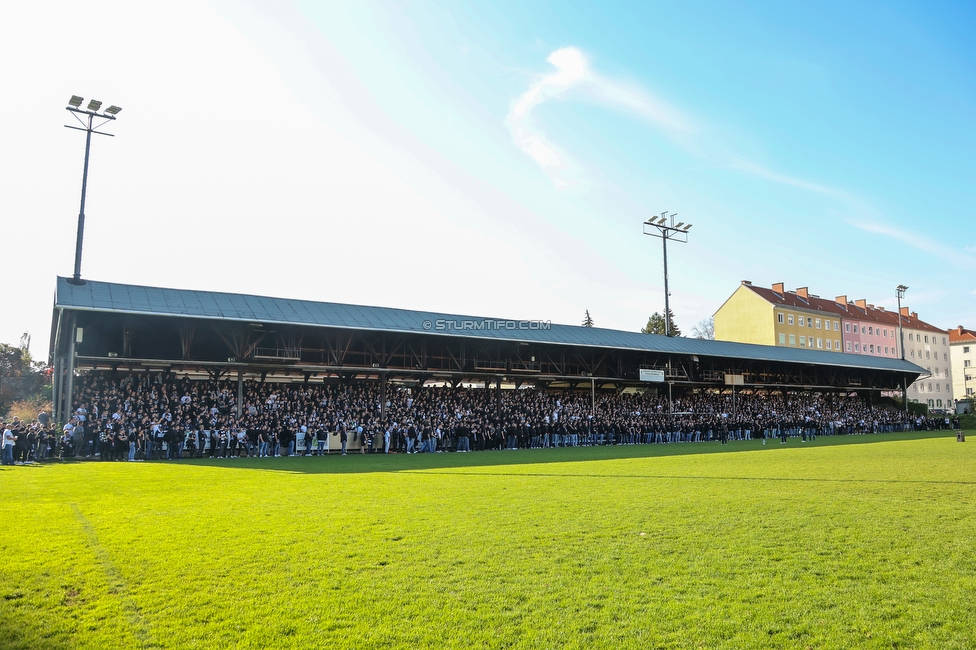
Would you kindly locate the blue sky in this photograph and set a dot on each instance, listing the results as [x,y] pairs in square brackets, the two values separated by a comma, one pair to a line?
[498,158]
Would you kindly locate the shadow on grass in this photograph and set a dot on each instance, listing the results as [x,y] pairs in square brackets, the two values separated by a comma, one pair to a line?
[356,463]
[14,634]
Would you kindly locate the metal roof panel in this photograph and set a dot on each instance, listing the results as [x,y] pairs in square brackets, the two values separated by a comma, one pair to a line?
[121,298]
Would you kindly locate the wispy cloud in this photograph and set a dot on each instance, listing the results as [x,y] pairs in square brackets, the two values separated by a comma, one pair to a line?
[919,242]
[573,76]
[573,73]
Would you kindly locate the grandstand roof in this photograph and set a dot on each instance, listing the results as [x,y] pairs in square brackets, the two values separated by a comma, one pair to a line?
[107,297]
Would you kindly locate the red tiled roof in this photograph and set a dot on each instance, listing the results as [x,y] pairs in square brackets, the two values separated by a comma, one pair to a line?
[960,334]
[791,299]
[850,310]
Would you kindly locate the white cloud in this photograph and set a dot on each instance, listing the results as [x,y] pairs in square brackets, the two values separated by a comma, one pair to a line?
[919,242]
[574,73]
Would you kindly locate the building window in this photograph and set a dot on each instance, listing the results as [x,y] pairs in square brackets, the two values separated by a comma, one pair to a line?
[927,353]
[938,402]
[886,349]
[803,341]
[779,317]
[828,344]
[965,349]
[793,340]
[818,323]
[931,403]
[848,346]
[886,333]
[913,352]
[847,327]
[836,325]
[857,347]
[789,319]
[872,349]
[965,363]
[782,339]
[800,321]
[820,343]
[863,330]
[943,340]
[809,322]
[911,337]
[938,387]
[930,387]
[871,330]
[926,338]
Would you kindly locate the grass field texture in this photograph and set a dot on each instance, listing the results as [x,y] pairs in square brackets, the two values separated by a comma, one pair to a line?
[845,542]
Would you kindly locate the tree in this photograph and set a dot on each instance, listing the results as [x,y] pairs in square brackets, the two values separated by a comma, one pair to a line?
[588,320]
[705,329]
[655,324]
[20,376]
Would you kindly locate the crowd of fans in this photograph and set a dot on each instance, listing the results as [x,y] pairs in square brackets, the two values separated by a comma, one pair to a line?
[139,417]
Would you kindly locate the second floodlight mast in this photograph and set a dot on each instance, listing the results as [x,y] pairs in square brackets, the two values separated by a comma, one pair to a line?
[90,113]
[664,228]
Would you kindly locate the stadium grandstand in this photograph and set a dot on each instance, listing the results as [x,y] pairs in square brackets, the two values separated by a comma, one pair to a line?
[101,326]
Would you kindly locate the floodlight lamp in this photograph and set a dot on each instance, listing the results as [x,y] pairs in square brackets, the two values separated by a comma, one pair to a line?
[94,105]
[687,228]
[661,220]
[75,101]
[113,110]
[679,224]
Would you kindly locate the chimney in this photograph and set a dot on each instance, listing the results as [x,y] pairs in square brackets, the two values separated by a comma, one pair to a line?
[904,311]
[778,288]
[747,283]
[915,315]
[881,308]
[870,306]
[802,292]
[862,303]
[841,300]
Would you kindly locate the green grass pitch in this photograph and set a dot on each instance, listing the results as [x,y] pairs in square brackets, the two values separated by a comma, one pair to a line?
[845,542]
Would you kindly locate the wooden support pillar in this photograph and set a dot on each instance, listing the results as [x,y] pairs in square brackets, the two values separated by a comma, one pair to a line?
[593,397]
[498,397]
[383,397]
[69,408]
[240,391]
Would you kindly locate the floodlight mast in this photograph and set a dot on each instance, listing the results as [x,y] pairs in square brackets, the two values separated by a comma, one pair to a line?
[900,293]
[88,126]
[665,229]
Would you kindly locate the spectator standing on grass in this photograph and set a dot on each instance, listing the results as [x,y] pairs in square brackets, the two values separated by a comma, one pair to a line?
[67,448]
[343,439]
[9,438]
[321,438]
[133,440]
[411,438]
[69,428]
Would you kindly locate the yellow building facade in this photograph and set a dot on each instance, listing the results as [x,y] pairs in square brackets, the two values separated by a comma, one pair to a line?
[777,317]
